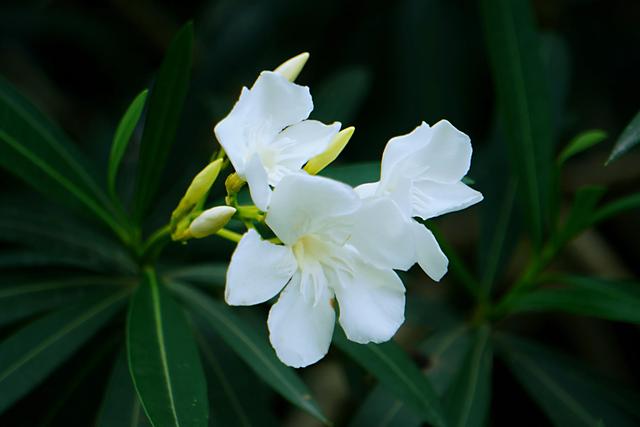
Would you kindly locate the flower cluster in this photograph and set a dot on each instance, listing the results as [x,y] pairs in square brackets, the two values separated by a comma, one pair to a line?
[322,244]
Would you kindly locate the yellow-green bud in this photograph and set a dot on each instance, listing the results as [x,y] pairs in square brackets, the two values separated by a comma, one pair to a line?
[234,183]
[197,189]
[291,68]
[210,221]
[336,146]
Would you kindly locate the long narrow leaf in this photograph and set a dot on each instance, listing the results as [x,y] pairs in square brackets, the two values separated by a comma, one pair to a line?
[566,393]
[125,129]
[20,300]
[120,405]
[514,51]
[393,368]
[165,107]
[629,138]
[33,352]
[588,296]
[469,398]
[163,358]
[253,348]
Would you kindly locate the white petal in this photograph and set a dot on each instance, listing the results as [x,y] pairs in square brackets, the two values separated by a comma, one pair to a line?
[449,153]
[258,183]
[430,257]
[300,142]
[303,204]
[272,104]
[382,235]
[440,153]
[279,102]
[367,190]
[401,149]
[258,270]
[371,303]
[430,199]
[299,330]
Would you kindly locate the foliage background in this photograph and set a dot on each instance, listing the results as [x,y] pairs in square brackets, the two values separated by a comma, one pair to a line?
[383,66]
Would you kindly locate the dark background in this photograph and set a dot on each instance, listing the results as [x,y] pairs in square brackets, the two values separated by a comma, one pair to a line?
[382,65]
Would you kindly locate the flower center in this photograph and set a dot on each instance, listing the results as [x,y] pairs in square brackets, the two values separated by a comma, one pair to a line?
[310,249]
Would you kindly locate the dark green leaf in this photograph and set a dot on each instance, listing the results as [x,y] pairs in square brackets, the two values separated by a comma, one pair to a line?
[37,151]
[606,299]
[163,358]
[628,139]
[235,398]
[125,129]
[341,95]
[21,300]
[393,368]
[556,62]
[354,174]
[516,63]
[120,405]
[382,409]
[33,352]
[163,115]
[253,348]
[616,207]
[213,274]
[468,399]
[24,226]
[581,214]
[566,393]
[580,143]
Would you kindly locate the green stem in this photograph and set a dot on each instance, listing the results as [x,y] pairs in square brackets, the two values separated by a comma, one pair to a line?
[229,235]
[155,243]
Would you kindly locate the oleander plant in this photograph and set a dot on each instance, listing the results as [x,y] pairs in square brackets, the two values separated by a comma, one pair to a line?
[258,276]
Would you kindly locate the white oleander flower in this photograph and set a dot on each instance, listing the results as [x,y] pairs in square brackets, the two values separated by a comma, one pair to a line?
[422,173]
[333,245]
[266,135]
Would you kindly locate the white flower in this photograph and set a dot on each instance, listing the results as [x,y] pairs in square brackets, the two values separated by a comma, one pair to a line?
[422,173]
[333,245]
[266,135]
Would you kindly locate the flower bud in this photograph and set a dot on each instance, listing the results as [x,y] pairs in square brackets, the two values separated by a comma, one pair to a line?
[197,189]
[210,221]
[234,183]
[336,146]
[292,67]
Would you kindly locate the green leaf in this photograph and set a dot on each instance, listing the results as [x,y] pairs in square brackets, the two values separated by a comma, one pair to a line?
[354,174]
[120,405]
[606,299]
[341,95]
[125,129]
[393,368]
[512,42]
[235,398]
[252,347]
[21,300]
[163,115]
[28,356]
[469,398]
[616,207]
[581,214]
[35,150]
[163,358]
[73,239]
[210,275]
[628,139]
[382,409]
[566,393]
[580,143]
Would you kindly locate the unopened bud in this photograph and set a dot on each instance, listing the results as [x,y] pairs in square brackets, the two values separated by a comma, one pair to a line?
[210,221]
[291,68]
[234,183]
[197,189]
[325,158]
